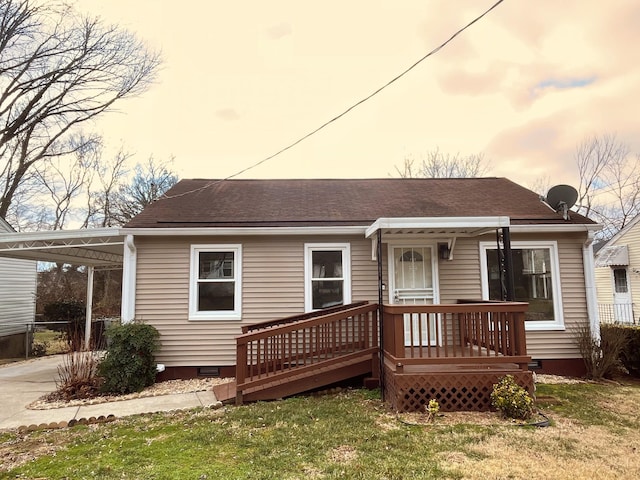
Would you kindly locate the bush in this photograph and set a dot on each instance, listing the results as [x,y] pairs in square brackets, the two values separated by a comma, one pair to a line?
[601,357]
[630,355]
[511,400]
[129,365]
[78,376]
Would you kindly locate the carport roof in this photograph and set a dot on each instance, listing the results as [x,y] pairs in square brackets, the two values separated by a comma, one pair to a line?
[99,247]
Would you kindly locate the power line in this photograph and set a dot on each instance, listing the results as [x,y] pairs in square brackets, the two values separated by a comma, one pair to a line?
[337,117]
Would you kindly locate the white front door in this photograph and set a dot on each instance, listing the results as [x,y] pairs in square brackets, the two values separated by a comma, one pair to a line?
[622,308]
[412,275]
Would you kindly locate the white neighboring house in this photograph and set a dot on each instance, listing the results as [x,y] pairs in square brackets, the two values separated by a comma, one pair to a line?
[617,276]
[18,282]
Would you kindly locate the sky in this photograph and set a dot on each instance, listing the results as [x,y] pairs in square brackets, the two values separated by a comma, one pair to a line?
[241,80]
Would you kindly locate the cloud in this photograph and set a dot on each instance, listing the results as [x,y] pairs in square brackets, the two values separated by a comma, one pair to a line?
[228,114]
[565,83]
[276,32]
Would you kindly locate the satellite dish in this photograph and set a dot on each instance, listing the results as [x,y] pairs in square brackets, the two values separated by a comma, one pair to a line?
[561,198]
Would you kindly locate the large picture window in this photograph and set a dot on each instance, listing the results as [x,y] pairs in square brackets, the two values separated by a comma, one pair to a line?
[536,280]
[327,275]
[215,285]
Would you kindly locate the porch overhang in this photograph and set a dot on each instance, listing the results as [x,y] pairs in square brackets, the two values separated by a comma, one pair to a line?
[613,256]
[437,226]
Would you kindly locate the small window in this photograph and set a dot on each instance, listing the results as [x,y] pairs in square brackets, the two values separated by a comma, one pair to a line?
[327,275]
[536,281]
[215,286]
[620,280]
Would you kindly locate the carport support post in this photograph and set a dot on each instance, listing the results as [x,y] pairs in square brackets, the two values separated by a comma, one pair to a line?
[87,325]
[508,264]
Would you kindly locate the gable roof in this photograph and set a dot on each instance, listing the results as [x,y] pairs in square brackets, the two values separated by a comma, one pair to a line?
[335,202]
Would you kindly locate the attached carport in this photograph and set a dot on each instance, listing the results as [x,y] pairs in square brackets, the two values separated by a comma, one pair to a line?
[100,248]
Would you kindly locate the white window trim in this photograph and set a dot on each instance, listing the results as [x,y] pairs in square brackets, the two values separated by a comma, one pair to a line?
[236,313]
[345,248]
[552,245]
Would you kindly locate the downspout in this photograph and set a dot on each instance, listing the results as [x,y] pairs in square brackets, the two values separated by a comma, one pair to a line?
[380,313]
[89,308]
[589,285]
[128,308]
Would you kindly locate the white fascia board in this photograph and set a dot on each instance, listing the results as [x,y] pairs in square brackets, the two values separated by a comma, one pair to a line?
[245,231]
[438,222]
[555,228]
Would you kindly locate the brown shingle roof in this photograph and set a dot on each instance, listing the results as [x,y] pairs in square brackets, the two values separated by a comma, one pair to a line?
[211,203]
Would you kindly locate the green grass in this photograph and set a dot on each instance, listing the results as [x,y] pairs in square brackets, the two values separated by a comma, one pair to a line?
[350,435]
[54,341]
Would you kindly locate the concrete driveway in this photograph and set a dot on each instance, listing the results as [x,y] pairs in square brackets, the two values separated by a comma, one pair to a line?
[22,383]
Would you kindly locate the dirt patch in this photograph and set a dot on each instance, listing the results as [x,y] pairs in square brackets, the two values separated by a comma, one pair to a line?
[343,454]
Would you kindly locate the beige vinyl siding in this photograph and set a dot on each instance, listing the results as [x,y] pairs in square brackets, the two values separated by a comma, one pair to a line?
[631,238]
[460,279]
[17,299]
[604,275]
[272,287]
[604,284]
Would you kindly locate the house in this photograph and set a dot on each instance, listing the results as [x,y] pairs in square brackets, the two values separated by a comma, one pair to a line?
[617,276]
[293,284]
[17,302]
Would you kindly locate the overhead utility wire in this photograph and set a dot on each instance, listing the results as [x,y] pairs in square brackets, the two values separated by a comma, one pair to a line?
[337,117]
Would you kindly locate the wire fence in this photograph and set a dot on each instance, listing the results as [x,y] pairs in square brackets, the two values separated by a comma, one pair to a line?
[69,335]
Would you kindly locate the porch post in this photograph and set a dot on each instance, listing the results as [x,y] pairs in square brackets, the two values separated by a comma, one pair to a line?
[508,264]
[380,313]
[128,308]
[89,308]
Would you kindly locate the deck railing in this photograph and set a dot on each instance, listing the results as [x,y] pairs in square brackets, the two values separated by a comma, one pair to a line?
[280,350]
[466,333]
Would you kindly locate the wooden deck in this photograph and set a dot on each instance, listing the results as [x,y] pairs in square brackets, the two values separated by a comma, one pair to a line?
[451,353]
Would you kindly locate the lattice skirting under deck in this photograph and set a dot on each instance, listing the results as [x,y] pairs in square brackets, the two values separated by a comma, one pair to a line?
[469,391]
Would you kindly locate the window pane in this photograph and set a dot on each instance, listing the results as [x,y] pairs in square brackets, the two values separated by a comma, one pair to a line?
[532,281]
[216,296]
[215,265]
[327,264]
[620,280]
[327,293]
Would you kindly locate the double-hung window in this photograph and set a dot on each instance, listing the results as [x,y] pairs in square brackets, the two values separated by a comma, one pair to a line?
[536,275]
[215,282]
[327,275]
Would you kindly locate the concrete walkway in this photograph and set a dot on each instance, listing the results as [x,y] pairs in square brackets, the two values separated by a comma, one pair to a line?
[22,383]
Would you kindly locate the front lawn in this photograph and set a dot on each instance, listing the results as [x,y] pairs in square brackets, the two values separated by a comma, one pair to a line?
[594,433]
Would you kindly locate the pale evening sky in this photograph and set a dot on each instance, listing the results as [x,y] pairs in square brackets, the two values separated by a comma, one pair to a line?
[243,79]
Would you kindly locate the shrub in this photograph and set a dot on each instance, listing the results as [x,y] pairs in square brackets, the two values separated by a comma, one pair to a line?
[601,357]
[129,365]
[630,355]
[78,376]
[511,400]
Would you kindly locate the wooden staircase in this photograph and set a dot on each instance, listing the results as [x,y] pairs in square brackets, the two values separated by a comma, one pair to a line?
[296,354]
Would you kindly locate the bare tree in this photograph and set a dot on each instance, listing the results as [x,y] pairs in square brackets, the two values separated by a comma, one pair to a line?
[150,182]
[436,164]
[609,175]
[58,70]
[101,201]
